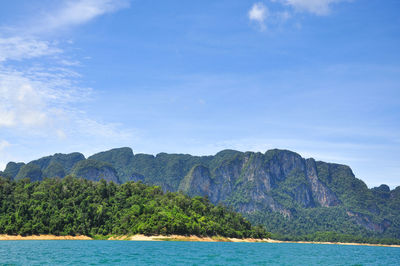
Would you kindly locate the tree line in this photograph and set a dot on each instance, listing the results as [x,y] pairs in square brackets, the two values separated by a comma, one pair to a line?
[72,206]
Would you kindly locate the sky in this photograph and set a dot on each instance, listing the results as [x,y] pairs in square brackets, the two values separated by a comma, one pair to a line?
[318,77]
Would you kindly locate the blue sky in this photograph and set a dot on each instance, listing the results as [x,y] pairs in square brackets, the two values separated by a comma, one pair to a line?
[319,77]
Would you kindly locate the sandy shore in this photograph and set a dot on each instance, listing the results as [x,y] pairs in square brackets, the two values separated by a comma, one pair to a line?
[185,238]
[332,243]
[134,238]
[181,238]
[227,239]
[44,237]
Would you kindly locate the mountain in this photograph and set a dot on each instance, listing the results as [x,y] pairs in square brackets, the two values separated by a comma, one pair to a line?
[291,195]
[57,165]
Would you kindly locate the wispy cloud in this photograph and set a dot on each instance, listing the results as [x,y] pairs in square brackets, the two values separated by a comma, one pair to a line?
[47,104]
[19,48]
[34,97]
[73,13]
[259,13]
[286,9]
[40,91]
[317,7]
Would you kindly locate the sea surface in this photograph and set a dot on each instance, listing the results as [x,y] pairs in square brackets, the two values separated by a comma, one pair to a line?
[92,252]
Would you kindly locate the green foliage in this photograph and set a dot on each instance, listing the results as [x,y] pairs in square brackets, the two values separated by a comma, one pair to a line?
[95,170]
[293,190]
[72,206]
[54,170]
[319,224]
[337,238]
[119,158]
[166,170]
[185,184]
[224,157]
[67,161]
[31,171]
[352,192]
[12,169]
[241,195]
[49,166]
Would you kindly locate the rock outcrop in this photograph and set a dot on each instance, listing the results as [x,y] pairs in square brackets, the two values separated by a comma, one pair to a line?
[249,179]
[95,171]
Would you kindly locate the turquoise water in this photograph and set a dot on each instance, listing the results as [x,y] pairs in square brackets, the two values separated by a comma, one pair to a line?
[190,253]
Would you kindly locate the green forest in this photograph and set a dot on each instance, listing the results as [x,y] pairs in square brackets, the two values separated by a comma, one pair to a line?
[72,206]
[320,225]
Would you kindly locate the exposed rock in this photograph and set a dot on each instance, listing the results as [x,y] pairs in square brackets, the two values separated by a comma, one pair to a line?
[197,182]
[95,171]
[120,159]
[303,195]
[366,221]
[321,194]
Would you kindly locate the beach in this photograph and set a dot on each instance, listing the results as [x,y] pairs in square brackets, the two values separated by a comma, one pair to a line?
[140,237]
[43,237]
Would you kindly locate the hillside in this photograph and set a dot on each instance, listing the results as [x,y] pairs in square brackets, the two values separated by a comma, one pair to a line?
[294,197]
[72,206]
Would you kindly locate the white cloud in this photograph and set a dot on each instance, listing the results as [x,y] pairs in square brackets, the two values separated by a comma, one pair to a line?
[46,99]
[77,12]
[106,130]
[18,48]
[48,103]
[317,7]
[258,13]
[41,99]
[30,98]
[285,10]
[66,62]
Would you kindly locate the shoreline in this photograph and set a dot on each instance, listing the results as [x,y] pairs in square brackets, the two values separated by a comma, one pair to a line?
[140,237]
[43,237]
[193,238]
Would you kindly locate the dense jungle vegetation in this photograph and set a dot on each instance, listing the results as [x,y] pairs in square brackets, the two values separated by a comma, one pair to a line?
[72,206]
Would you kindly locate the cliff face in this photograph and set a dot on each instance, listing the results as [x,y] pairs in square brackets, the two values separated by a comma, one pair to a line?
[320,192]
[119,159]
[95,171]
[274,188]
[251,178]
[198,182]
